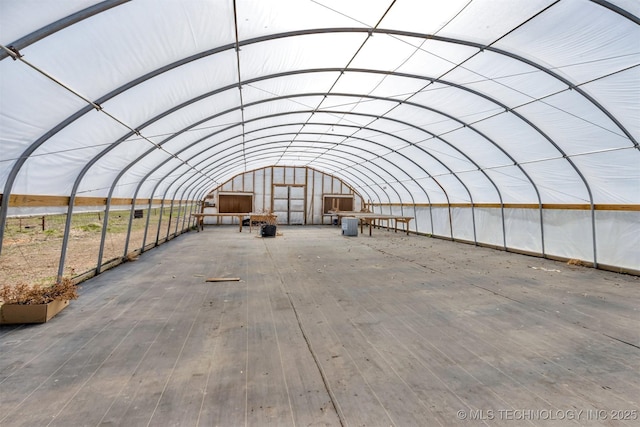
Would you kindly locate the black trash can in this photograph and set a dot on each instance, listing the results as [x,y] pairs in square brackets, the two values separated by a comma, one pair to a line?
[268,231]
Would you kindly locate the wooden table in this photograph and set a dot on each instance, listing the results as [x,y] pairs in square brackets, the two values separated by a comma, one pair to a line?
[253,217]
[200,218]
[370,219]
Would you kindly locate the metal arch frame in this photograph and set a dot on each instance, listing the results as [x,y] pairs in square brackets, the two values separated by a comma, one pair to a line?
[268,100]
[354,177]
[421,129]
[364,161]
[232,86]
[83,172]
[159,181]
[265,146]
[395,101]
[281,114]
[108,4]
[202,191]
[331,143]
[231,157]
[309,168]
[61,24]
[617,10]
[330,164]
[63,124]
[463,124]
[176,134]
[367,185]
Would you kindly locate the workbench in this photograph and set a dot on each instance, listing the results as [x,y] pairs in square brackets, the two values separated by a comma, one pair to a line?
[371,218]
[253,217]
[200,218]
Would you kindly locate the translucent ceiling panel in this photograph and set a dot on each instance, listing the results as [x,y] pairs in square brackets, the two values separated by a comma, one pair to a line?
[68,152]
[289,15]
[275,107]
[430,123]
[118,159]
[383,52]
[383,128]
[561,39]
[256,134]
[360,83]
[327,129]
[216,141]
[298,53]
[620,95]
[513,184]
[365,106]
[434,189]
[505,80]
[447,155]
[421,16]
[398,87]
[21,18]
[557,182]
[294,84]
[433,58]
[169,179]
[215,150]
[30,105]
[485,21]
[359,149]
[480,186]
[513,135]
[177,86]
[631,5]
[575,125]
[469,146]
[97,46]
[399,193]
[164,176]
[463,105]
[614,176]
[264,126]
[331,118]
[195,117]
[455,190]
[357,104]
[393,167]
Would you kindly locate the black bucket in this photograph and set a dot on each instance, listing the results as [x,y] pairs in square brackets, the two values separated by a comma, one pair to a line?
[268,231]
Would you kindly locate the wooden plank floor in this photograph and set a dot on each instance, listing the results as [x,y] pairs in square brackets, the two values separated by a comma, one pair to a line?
[326,330]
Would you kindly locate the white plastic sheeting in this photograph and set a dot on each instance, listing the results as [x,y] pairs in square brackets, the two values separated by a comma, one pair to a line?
[410,101]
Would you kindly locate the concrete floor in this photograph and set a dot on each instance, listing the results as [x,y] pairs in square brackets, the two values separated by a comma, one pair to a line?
[330,330]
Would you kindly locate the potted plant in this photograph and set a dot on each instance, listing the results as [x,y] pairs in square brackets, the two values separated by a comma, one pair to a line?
[24,303]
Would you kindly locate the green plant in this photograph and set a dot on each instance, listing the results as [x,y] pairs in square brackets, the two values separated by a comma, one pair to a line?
[24,294]
[91,227]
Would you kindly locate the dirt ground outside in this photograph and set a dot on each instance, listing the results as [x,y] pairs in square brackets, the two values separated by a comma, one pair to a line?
[32,245]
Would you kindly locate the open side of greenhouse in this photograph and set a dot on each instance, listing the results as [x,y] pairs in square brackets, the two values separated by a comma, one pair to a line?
[451,132]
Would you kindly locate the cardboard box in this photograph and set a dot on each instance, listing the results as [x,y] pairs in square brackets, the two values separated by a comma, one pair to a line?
[30,313]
